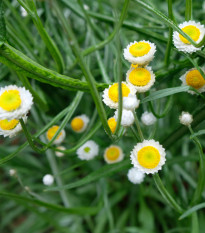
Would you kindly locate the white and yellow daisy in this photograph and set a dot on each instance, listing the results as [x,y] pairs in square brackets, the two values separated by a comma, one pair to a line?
[52,131]
[10,128]
[48,179]
[110,94]
[140,53]
[148,156]
[193,29]
[88,151]
[140,78]
[112,123]
[15,102]
[148,118]
[80,123]
[186,118]
[113,154]
[127,118]
[135,176]
[194,79]
[131,102]
[58,153]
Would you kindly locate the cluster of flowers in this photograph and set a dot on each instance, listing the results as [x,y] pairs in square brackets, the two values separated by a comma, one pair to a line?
[15,103]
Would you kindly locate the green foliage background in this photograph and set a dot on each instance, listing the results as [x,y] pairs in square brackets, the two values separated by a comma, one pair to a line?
[92,196]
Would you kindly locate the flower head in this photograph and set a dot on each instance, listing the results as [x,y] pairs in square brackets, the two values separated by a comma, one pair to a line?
[148,118]
[140,78]
[135,176]
[12,172]
[140,53]
[58,153]
[195,30]
[113,154]
[110,94]
[79,123]
[10,128]
[23,12]
[185,118]
[52,131]
[127,117]
[15,102]
[148,156]
[130,102]
[112,123]
[193,78]
[48,179]
[88,151]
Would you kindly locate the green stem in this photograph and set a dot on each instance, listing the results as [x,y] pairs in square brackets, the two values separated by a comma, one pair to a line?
[201,180]
[138,127]
[188,12]
[166,195]
[194,223]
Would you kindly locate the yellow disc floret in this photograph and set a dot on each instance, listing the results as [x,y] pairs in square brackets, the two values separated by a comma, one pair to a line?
[191,31]
[148,157]
[140,49]
[8,125]
[113,91]
[112,153]
[112,124]
[139,77]
[10,100]
[134,66]
[52,131]
[77,124]
[195,79]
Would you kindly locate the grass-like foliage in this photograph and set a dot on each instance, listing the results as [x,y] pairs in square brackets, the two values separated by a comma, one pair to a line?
[71,68]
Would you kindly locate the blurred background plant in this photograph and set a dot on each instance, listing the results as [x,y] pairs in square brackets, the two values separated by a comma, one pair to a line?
[92,196]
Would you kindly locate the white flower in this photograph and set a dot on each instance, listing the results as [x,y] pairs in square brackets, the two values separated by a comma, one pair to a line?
[140,53]
[88,151]
[194,79]
[131,102]
[80,123]
[113,154]
[148,118]
[110,94]
[23,12]
[185,118]
[135,176]
[11,128]
[48,180]
[15,102]
[12,172]
[58,153]
[148,156]
[140,78]
[127,118]
[195,30]
[51,132]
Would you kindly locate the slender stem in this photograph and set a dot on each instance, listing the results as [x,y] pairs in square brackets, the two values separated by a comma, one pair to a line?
[188,12]
[201,180]
[194,223]
[166,194]
[138,126]
[134,133]
[28,137]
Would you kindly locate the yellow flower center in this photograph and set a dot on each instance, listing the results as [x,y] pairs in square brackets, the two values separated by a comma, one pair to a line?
[52,131]
[8,125]
[191,31]
[134,66]
[112,124]
[77,124]
[139,77]
[113,153]
[87,149]
[10,100]
[113,91]
[195,79]
[148,157]
[140,49]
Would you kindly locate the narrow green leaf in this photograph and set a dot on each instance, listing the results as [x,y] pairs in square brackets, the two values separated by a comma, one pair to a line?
[200,132]
[76,211]
[2,24]
[165,92]
[102,172]
[192,210]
